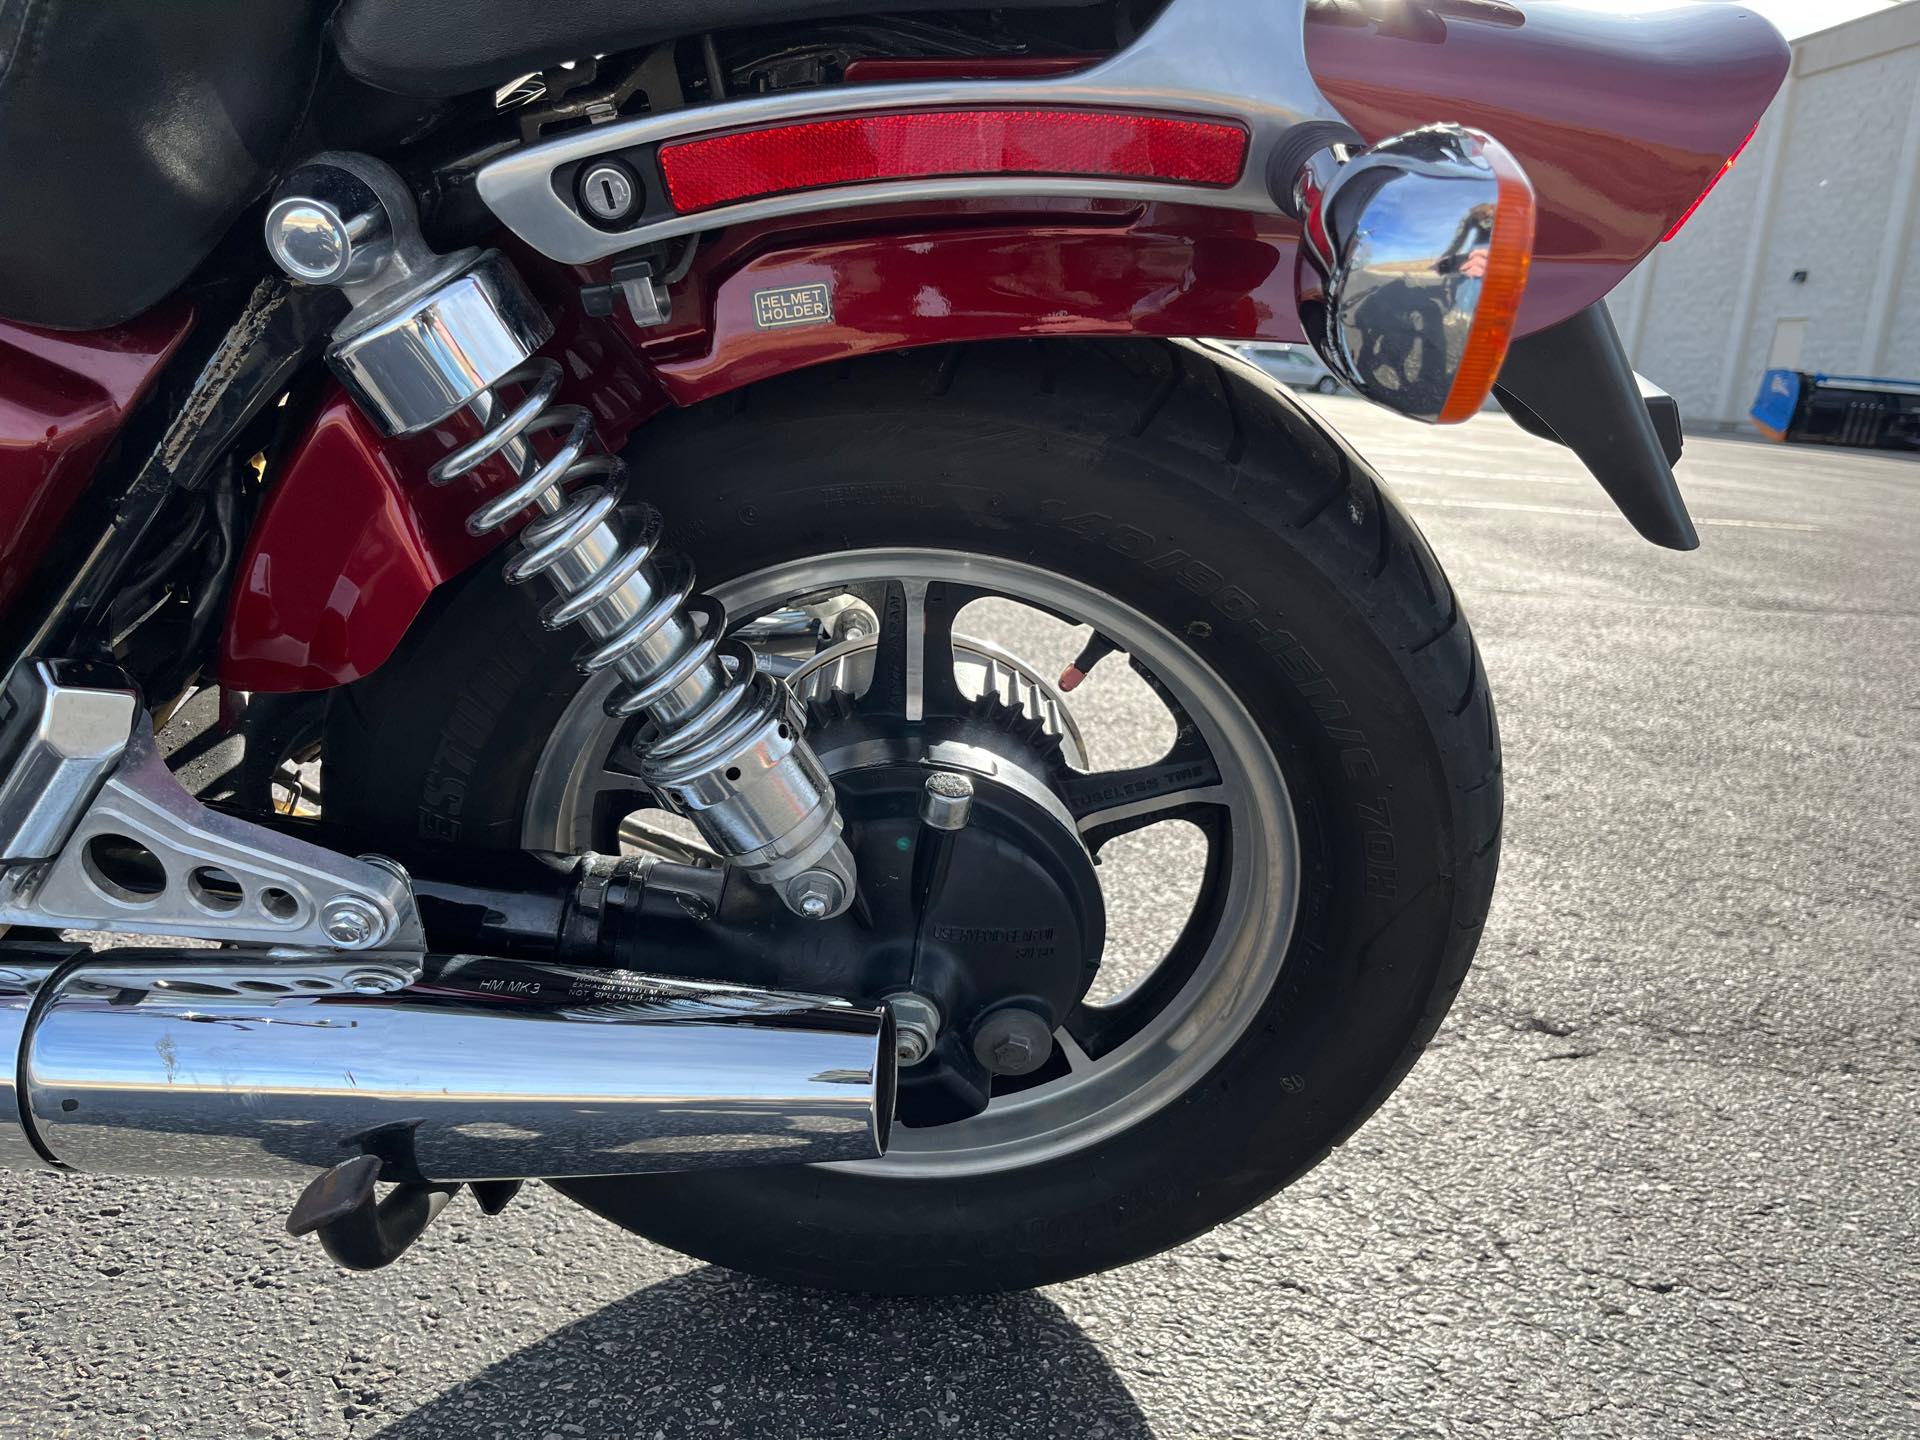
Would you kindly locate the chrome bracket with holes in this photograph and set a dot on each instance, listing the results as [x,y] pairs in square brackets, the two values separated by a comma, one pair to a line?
[146,858]
[66,727]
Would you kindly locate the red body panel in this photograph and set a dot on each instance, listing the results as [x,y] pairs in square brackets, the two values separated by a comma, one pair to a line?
[352,538]
[63,398]
[1621,116]
[352,509]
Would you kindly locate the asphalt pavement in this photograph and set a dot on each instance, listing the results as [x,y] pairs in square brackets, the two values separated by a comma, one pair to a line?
[1657,1176]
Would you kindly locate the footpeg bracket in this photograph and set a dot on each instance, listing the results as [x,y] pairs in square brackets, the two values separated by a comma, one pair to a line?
[200,873]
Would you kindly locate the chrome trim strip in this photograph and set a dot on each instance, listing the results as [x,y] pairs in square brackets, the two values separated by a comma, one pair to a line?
[1237,60]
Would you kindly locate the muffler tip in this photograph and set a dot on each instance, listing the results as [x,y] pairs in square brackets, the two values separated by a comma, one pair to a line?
[886,1082]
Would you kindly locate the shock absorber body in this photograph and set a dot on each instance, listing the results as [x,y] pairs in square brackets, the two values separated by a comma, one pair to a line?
[430,335]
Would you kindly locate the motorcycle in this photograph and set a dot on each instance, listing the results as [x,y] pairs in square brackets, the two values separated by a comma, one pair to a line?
[764,914]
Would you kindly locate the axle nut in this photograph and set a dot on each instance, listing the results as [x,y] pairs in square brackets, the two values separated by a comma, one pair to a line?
[1012,1041]
[817,895]
[916,1025]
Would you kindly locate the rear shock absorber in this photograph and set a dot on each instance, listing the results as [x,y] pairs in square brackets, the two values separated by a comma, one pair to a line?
[430,335]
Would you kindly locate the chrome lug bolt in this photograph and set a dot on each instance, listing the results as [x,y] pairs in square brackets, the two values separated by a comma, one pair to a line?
[817,894]
[855,622]
[374,982]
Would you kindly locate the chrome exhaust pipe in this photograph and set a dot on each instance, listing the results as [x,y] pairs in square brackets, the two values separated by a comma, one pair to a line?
[449,1068]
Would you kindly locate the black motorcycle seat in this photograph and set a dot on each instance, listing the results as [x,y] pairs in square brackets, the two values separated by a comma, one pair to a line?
[132,133]
[449,47]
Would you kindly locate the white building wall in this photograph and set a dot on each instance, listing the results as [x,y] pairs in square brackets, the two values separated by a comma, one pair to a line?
[1828,186]
[1900,342]
[1902,360]
[1676,313]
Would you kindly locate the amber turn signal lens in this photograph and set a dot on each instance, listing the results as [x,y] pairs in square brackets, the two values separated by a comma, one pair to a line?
[1509,257]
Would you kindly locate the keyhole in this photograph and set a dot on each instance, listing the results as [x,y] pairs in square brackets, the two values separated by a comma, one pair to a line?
[607,192]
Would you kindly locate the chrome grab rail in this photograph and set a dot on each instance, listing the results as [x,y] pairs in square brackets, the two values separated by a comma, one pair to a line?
[1238,60]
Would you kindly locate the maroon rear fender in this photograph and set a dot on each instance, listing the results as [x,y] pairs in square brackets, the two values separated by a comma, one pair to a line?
[1622,113]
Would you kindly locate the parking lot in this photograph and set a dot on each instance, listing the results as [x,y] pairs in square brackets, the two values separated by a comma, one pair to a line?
[1655,1178]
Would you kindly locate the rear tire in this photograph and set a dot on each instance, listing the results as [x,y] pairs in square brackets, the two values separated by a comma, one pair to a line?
[1181,482]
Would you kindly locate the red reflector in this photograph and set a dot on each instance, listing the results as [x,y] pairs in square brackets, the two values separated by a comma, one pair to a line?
[726,169]
[1718,176]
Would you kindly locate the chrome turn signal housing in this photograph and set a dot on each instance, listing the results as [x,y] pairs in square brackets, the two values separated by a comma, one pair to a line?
[1413,260]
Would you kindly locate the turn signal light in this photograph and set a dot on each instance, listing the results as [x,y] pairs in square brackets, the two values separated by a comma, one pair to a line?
[861,149]
[1509,256]
[1413,261]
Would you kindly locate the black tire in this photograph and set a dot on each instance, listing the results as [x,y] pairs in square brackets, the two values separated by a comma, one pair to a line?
[1327,613]
[1326,385]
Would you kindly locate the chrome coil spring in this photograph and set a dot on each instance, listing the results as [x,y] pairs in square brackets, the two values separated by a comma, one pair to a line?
[628,596]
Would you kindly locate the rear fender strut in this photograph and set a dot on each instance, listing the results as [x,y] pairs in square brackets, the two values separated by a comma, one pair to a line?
[1572,383]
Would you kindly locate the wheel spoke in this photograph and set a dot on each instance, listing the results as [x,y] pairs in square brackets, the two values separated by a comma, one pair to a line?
[1144,797]
[639,832]
[1109,803]
[1101,1028]
[610,792]
[1068,1045]
[609,781]
[604,798]
[913,674]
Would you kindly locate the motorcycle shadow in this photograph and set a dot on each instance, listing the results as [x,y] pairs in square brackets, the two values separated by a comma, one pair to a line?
[714,1352]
